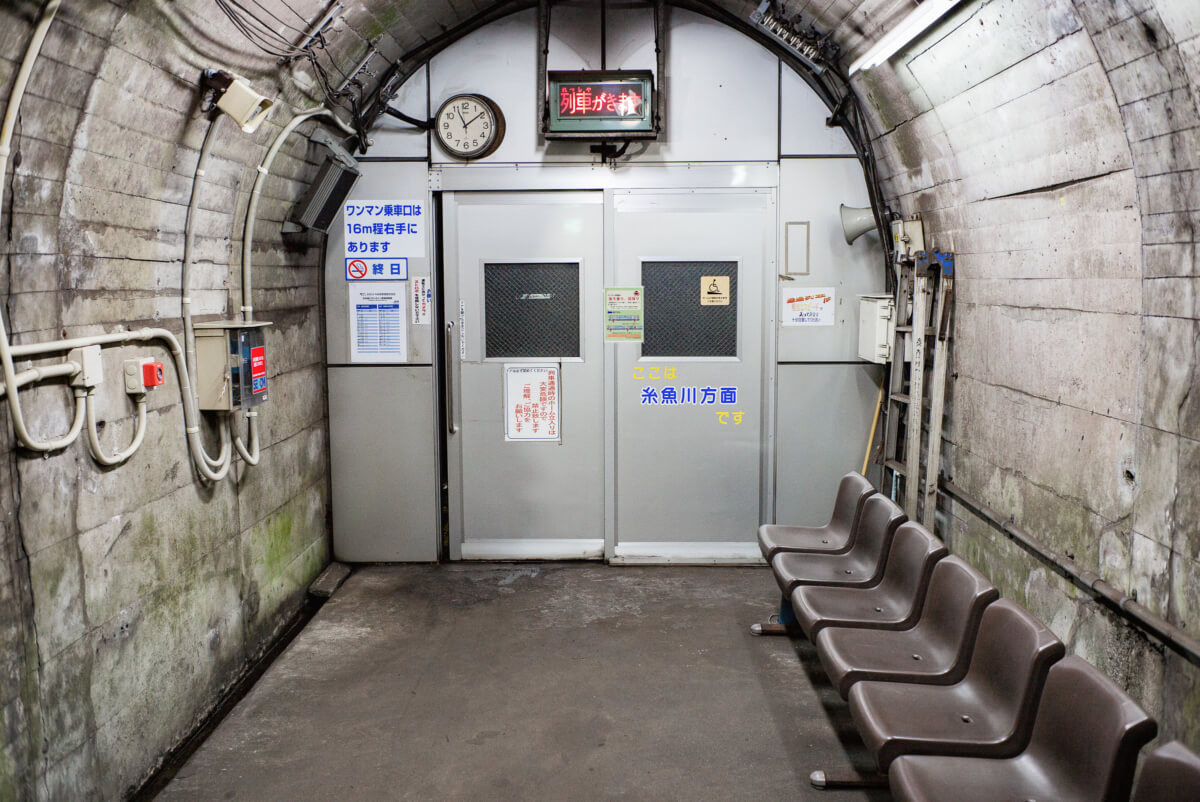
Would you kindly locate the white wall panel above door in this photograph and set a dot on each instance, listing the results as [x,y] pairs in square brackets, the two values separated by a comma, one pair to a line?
[802,118]
[722,90]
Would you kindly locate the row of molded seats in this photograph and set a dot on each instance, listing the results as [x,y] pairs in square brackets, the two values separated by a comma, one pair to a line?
[958,694]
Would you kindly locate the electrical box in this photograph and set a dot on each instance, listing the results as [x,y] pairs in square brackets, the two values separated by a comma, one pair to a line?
[876,327]
[231,365]
[142,375]
[908,236]
[91,369]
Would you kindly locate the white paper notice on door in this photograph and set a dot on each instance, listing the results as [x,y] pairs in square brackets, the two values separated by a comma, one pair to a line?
[531,396]
[422,300]
[814,306]
[377,326]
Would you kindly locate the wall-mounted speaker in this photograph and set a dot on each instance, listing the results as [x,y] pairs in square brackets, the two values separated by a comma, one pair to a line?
[856,222]
[323,200]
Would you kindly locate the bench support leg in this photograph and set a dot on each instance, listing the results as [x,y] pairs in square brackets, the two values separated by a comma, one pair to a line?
[831,780]
[786,623]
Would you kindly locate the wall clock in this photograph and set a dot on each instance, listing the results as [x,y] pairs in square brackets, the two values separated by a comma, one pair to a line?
[469,126]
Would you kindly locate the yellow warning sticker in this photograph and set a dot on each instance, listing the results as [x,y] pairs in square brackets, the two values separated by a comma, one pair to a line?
[714,290]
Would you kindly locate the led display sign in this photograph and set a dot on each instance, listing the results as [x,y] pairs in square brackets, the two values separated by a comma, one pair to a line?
[601,103]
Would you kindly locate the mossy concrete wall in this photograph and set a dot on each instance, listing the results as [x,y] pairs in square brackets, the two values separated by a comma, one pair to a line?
[130,597]
[1053,145]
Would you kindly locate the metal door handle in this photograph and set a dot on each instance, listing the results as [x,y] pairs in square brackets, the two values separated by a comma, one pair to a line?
[451,427]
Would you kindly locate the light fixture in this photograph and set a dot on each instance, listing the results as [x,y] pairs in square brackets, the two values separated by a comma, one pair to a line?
[912,26]
[809,46]
[233,95]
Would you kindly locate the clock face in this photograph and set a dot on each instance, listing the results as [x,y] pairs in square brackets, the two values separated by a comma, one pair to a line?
[469,126]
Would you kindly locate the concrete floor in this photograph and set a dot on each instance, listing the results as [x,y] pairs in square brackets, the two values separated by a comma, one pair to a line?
[534,681]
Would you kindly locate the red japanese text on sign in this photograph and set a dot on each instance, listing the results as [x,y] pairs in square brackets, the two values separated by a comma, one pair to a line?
[598,100]
[533,402]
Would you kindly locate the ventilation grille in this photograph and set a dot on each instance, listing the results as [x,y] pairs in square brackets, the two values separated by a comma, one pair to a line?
[676,322]
[531,310]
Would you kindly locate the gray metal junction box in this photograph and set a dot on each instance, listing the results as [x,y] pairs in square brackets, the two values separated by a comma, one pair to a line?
[231,365]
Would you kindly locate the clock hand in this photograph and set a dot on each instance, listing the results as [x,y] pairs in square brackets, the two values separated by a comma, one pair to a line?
[473,119]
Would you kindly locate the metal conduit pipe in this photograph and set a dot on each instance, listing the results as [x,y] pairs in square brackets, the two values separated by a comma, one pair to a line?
[264,170]
[189,238]
[37,374]
[77,424]
[252,453]
[1111,597]
[139,434]
[185,280]
[6,133]
[191,415]
[543,45]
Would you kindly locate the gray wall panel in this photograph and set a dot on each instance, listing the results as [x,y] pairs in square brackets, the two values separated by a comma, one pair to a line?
[379,181]
[810,191]
[824,418]
[383,453]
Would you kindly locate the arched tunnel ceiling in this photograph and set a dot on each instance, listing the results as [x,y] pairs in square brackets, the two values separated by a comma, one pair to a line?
[419,28]
[853,24]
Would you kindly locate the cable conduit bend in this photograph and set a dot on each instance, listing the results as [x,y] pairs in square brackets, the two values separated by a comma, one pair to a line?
[185,282]
[191,414]
[252,453]
[139,434]
[6,133]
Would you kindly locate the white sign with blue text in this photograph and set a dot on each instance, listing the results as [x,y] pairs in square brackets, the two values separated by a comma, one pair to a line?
[380,238]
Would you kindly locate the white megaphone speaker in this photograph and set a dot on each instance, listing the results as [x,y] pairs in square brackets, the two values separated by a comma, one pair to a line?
[856,222]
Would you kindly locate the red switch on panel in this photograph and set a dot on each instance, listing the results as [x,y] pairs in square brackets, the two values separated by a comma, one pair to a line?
[152,373]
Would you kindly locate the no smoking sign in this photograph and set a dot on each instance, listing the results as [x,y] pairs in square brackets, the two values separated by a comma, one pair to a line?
[373,269]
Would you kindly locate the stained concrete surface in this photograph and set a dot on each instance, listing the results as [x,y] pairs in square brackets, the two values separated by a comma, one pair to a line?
[534,681]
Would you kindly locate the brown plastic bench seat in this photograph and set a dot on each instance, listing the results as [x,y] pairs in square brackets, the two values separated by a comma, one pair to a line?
[894,603]
[835,537]
[988,713]
[941,640]
[861,566]
[1084,746]
[1170,773]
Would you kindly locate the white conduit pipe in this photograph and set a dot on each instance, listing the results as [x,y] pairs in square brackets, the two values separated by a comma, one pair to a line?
[37,374]
[264,170]
[6,133]
[189,236]
[8,352]
[185,282]
[252,454]
[94,439]
[77,424]
[191,415]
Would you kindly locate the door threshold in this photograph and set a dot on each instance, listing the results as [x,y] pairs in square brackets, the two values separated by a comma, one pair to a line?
[534,549]
[691,553]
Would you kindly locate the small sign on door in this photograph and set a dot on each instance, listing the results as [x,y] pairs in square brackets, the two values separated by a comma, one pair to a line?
[714,290]
[623,318]
[531,398]
[808,307]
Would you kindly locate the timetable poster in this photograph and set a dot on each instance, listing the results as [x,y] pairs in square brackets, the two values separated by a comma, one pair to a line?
[378,331]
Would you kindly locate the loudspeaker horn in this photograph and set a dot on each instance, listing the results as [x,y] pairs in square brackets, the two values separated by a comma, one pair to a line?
[856,222]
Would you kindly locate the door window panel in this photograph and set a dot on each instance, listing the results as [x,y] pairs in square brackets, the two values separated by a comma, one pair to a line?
[677,323]
[531,310]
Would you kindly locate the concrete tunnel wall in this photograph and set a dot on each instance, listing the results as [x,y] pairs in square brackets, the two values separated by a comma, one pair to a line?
[1052,144]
